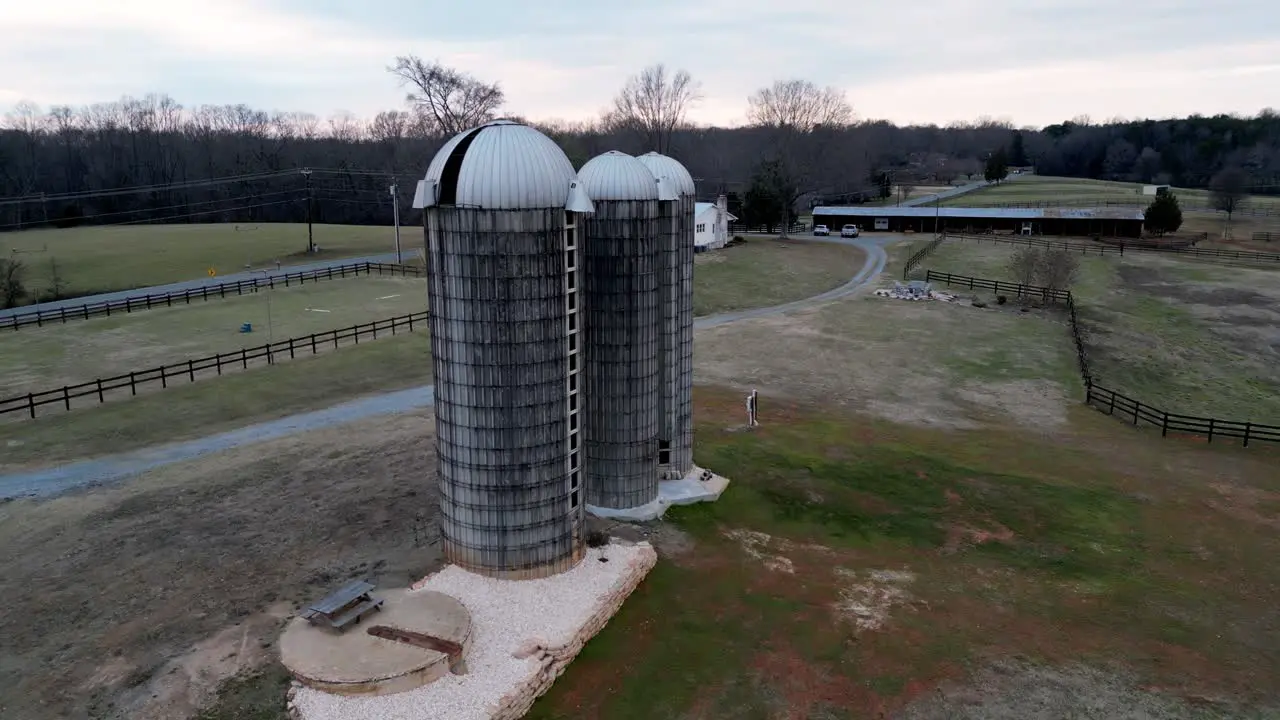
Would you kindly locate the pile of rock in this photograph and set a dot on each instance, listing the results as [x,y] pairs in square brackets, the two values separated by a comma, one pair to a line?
[914,290]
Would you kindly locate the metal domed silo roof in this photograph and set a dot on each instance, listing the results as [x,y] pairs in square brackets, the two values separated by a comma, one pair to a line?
[670,169]
[502,165]
[618,176]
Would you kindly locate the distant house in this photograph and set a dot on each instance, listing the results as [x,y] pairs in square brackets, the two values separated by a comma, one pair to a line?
[711,224]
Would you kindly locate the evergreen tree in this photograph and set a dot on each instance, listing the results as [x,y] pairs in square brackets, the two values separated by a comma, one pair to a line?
[1018,151]
[1164,215]
[997,166]
[765,199]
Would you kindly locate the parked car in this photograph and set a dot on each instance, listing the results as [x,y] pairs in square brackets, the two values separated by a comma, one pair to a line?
[821,230]
[849,231]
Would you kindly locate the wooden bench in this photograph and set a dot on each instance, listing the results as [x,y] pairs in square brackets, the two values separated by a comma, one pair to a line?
[344,606]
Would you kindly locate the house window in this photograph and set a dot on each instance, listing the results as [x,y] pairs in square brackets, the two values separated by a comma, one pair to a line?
[702,227]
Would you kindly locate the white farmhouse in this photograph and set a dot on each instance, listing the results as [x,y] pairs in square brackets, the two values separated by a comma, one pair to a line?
[711,224]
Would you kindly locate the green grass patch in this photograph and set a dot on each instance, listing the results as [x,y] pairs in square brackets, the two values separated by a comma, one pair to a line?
[1043,188]
[210,406]
[258,695]
[763,272]
[70,353]
[805,481]
[100,259]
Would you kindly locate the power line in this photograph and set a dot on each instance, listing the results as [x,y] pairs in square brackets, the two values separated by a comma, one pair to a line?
[183,216]
[139,189]
[89,219]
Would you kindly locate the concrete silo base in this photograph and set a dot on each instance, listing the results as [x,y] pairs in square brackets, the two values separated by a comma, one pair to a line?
[526,632]
[397,648]
[687,490]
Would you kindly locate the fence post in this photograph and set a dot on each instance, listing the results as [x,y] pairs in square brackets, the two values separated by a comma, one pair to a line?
[31,405]
[290,348]
[244,358]
[101,399]
[1164,427]
[1247,428]
[133,384]
[191,370]
[313,343]
[1112,409]
[66,397]
[164,377]
[1211,430]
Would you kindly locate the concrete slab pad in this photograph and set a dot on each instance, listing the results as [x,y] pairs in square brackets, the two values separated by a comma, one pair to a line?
[685,491]
[355,662]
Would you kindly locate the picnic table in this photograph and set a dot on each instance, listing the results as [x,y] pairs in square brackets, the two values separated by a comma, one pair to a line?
[344,606]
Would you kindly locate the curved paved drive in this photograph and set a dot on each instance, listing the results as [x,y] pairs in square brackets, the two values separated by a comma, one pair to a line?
[113,468]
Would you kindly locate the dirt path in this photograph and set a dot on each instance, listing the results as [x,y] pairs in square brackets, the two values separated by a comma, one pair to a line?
[52,481]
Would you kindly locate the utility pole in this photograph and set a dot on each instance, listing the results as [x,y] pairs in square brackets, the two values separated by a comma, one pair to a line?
[395,216]
[311,242]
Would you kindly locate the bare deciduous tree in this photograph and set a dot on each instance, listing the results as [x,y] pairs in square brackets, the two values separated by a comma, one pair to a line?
[449,100]
[1227,192]
[1053,269]
[799,105]
[1024,263]
[344,126]
[802,119]
[654,104]
[12,276]
[905,188]
[1058,269]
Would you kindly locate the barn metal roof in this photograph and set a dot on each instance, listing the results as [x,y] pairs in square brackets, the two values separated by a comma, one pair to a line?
[618,176]
[669,169]
[502,165]
[983,213]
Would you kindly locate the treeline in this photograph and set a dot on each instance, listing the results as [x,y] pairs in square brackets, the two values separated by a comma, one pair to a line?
[151,160]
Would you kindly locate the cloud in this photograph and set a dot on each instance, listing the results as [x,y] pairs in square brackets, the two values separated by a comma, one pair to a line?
[928,60]
[1167,84]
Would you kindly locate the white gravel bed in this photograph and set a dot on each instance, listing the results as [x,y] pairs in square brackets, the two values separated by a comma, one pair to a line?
[545,622]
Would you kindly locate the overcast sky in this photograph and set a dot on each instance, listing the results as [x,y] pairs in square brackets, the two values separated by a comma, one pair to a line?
[1032,62]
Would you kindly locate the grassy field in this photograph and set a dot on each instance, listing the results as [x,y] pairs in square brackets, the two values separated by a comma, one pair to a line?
[60,354]
[927,524]
[859,570]
[84,350]
[118,258]
[1002,574]
[1036,188]
[195,410]
[933,364]
[1190,338]
[762,272]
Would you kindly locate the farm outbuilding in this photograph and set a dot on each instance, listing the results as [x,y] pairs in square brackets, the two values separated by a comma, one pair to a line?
[1082,222]
[711,224]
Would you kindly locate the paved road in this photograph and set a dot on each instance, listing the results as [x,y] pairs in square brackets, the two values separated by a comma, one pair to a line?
[114,468]
[189,284]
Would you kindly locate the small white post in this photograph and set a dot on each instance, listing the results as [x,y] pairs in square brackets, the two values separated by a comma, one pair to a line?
[395,216]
